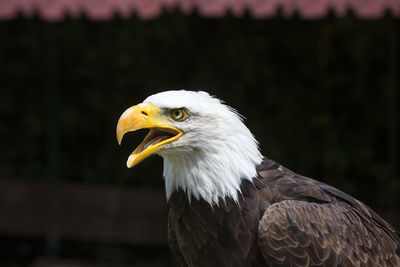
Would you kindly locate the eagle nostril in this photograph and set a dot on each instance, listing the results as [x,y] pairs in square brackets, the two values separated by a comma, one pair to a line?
[145,113]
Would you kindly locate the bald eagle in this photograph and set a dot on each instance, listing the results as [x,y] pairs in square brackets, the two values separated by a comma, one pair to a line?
[230,206]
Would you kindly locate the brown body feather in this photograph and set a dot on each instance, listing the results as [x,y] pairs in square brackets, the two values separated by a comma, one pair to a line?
[282,219]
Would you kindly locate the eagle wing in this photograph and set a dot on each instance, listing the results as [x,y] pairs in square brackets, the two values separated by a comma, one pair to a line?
[299,233]
[313,224]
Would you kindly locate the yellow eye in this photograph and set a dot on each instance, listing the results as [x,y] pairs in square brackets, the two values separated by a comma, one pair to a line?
[178,114]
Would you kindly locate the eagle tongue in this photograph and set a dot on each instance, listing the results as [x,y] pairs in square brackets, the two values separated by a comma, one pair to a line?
[155,140]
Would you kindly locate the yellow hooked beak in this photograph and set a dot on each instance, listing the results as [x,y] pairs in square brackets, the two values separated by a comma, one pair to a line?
[142,116]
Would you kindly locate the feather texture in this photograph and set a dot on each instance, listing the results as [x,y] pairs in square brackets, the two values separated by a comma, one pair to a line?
[282,219]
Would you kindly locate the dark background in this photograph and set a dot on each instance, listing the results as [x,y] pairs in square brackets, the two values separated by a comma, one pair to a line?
[321,96]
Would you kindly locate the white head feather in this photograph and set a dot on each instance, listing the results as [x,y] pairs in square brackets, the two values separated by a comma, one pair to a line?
[215,152]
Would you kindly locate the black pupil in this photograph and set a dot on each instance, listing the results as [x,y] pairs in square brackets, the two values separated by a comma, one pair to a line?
[177,113]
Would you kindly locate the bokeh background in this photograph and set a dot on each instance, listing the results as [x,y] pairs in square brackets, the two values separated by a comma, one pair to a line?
[320,91]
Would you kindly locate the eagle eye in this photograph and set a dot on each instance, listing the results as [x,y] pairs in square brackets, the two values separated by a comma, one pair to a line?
[178,114]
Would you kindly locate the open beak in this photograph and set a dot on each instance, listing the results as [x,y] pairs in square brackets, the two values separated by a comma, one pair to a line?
[141,116]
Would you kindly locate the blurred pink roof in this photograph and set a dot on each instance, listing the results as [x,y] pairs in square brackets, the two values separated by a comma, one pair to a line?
[56,10]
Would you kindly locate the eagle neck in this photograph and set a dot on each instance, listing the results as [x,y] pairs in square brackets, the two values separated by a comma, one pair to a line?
[210,174]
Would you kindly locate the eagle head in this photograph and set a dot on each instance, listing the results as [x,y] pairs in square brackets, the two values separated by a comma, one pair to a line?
[206,147]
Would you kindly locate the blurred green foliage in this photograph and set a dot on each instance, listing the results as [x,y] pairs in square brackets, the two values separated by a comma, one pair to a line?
[320,96]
